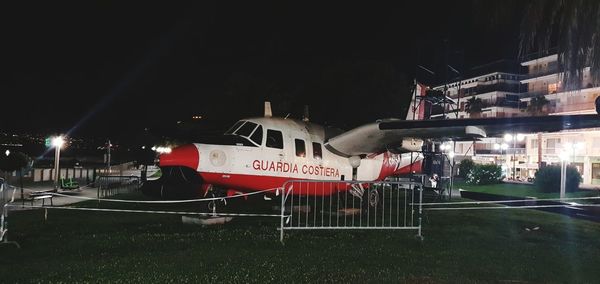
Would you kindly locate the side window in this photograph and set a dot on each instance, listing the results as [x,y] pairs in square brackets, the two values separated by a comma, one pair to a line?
[257,135]
[317,151]
[274,139]
[300,148]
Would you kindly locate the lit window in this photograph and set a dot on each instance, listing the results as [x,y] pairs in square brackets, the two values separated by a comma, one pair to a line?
[552,88]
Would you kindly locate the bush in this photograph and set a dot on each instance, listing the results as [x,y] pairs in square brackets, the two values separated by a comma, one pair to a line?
[484,174]
[465,167]
[547,179]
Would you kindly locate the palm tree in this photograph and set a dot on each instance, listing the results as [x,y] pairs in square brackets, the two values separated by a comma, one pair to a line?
[474,106]
[576,27]
[537,106]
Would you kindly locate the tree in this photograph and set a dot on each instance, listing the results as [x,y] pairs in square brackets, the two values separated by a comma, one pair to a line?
[11,162]
[547,179]
[573,26]
[474,106]
[538,106]
[465,167]
[484,174]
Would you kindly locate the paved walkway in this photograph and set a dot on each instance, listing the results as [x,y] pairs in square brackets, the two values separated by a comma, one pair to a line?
[84,191]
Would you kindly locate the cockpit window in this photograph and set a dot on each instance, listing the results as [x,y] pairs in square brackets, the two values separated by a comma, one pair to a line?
[246,129]
[234,127]
[257,136]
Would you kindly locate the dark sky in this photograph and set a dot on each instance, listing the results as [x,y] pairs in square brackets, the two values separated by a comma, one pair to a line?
[110,68]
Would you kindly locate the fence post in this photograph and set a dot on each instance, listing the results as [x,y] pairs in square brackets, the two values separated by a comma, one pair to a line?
[419,235]
[283,196]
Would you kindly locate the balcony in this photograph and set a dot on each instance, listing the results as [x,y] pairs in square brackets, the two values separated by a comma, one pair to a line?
[498,87]
[584,106]
[510,151]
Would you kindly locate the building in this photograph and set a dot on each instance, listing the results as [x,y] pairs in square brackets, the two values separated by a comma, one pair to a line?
[498,86]
[543,79]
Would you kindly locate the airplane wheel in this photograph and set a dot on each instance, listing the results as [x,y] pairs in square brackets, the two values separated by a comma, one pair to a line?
[372,198]
[212,206]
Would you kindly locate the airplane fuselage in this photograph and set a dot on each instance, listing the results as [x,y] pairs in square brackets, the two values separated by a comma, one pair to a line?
[263,153]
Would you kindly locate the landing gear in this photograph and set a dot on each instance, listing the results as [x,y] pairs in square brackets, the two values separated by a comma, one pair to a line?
[214,192]
[373,197]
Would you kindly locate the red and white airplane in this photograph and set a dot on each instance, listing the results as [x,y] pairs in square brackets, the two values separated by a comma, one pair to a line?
[263,153]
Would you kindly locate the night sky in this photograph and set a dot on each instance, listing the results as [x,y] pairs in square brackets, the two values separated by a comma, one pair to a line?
[111,69]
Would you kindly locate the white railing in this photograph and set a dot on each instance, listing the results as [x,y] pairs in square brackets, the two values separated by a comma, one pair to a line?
[357,205]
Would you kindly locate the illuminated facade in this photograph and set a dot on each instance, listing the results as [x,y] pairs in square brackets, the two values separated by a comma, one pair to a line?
[544,79]
[500,96]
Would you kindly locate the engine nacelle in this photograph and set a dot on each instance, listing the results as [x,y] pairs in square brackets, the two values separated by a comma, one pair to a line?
[407,145]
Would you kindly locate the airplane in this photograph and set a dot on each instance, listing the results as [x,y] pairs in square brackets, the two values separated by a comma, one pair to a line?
[262,153]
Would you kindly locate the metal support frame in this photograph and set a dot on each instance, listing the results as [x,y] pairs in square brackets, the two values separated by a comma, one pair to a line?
[336,205]
[4,220]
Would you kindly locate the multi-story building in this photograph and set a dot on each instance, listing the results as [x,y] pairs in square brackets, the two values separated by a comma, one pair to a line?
[544,78]
[498,86]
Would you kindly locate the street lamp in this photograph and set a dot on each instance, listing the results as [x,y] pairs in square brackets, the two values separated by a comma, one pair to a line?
[568,150]
[57,143]
[514,138]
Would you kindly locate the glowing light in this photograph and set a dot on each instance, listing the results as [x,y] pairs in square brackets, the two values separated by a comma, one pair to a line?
[508,137]
[451,154]
[445,147]
[58,141]
[564,155]
[143,147]
[504,146]
[162,150]
[496,146]
[7,152]
[520,137]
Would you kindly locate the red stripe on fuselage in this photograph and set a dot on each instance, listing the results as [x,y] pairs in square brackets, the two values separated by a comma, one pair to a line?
[249,183]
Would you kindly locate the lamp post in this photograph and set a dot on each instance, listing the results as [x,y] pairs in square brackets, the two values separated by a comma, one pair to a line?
[446,147]
[57,142]
[514,138]
[568,150]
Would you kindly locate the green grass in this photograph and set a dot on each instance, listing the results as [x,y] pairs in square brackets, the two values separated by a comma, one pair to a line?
[522,190]
[459,247]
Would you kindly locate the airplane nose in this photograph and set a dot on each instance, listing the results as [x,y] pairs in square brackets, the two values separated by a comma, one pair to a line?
[186,155]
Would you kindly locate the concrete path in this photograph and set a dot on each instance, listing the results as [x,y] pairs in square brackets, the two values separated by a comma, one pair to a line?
[84,191]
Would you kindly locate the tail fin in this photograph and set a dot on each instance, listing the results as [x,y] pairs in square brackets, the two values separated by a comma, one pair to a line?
[305,117]
[268,112]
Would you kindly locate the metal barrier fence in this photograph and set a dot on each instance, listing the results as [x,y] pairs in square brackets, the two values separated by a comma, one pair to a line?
[317,205]
[3,199]
[112,185]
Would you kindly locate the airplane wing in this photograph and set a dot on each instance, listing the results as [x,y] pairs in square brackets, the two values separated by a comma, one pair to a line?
[381,135]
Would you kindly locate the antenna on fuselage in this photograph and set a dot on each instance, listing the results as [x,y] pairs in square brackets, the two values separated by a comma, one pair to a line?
[305,117]
[268,112]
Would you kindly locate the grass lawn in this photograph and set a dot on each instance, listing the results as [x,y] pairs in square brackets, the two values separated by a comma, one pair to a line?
[522,190]
[459,247]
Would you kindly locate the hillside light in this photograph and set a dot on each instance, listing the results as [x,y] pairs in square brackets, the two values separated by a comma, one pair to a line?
[7,152]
